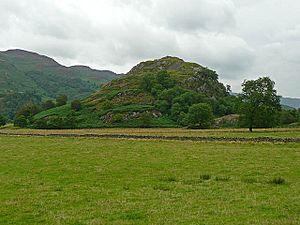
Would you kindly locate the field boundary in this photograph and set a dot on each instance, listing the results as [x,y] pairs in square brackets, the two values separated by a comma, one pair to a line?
[155,137]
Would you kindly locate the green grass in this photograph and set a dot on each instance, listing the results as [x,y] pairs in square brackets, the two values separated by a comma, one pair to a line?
[62,111]
[107,181]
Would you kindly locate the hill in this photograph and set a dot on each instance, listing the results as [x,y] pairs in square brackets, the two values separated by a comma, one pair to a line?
[291,102]
[42,77]
[154,93]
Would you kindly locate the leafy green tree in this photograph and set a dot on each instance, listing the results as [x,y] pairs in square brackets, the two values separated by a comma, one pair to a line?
[162,106]
[176,111]
[28,110]
[164,79]
[61,100]
[2,120]
[147,82]
[260,104]
[76,105]
[21,121]
[199,116]
[49,104]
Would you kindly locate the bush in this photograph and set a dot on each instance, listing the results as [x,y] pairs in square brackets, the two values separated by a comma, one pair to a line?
[49,104]
[106,105]
[28,110]
[146,120]
[117,118]
[199,116]
[2,120]
[61,100]
[76,105]
[21,121]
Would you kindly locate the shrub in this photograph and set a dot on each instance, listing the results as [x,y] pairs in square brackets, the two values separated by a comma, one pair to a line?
[21,121]
[106,105]
[146,119]
[2,120]
[61,100]
[117,118]
[199,116]
[49,104]
[76,105]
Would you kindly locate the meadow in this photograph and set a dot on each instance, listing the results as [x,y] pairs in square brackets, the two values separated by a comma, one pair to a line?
[54,180]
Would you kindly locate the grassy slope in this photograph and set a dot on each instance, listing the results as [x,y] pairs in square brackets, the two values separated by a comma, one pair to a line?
[26,71]
[92,181]
[126,96]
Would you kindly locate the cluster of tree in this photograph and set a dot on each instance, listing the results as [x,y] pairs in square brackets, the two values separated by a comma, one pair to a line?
[186,107]
[11,102]
[52,85]
[25,114]
[289,116]
[258,104]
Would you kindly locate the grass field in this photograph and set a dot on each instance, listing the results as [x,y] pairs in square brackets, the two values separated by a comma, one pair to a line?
[47,180]
[276,133]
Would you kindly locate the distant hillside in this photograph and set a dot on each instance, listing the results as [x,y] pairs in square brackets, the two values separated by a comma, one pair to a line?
[154,93]
[27,72]
[291,102]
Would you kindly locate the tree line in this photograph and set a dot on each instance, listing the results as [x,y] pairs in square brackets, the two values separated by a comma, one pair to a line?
[258,106]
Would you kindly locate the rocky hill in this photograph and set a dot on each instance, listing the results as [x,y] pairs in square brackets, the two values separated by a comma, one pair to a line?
[153,93]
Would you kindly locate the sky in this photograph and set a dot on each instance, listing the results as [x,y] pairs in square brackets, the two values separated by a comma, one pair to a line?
[240,39]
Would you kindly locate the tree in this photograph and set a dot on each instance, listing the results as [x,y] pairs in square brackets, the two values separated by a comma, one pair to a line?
[260,104]
[288,116]
[28,110]
[76,105]
[2,120]
[199,116]
[49,104]
[61,100]
[21,121]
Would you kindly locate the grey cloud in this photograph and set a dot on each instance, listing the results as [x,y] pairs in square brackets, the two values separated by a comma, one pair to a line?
[194,15]
[238,38]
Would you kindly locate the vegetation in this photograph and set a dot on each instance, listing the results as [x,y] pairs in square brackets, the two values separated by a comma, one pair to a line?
[168,93]
[29,77]
[199,116]
[157,93]
[2,120]
[107,181]
[260,103]
[61,100]
[76,105]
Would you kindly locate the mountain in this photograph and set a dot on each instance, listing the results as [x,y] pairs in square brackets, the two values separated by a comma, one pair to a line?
[291,102]
[40,76]
[153,93]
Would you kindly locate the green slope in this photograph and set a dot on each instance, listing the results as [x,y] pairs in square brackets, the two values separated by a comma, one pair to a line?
[28,72]
[125,103]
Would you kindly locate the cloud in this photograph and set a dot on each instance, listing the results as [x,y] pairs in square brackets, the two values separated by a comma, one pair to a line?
[240,39]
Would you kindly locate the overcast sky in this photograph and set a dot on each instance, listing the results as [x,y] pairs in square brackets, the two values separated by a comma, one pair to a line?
[240,39]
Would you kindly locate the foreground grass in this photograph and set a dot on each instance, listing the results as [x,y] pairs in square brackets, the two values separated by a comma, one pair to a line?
[275,133]
[107,181]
